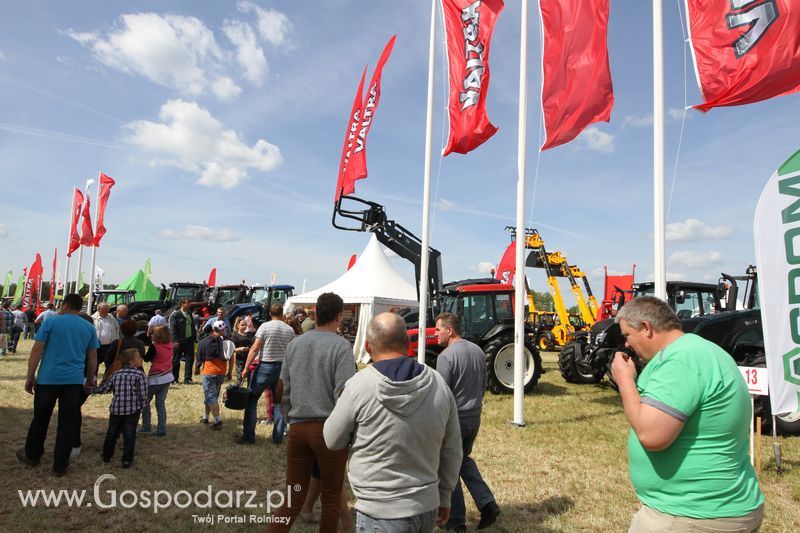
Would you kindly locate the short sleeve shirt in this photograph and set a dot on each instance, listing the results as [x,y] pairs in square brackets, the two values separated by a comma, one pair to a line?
[66,339]
[276,336]
[705,472]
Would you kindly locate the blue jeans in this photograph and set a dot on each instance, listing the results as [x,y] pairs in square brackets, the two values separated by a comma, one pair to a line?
[212,384]
[421,523]
[265,377]
[160,392]
[469,472]
[124,425]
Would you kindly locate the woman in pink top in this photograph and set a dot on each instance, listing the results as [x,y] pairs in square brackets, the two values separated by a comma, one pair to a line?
[158,379]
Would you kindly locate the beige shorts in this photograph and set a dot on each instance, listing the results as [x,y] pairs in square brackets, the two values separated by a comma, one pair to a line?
[648,520]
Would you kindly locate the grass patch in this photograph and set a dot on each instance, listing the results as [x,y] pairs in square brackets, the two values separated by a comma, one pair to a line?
[565,471]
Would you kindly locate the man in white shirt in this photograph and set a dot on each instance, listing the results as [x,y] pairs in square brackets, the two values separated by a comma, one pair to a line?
[47,313]
[157,320]
[107,329]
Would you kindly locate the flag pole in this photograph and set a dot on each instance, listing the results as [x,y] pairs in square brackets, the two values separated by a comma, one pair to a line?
[519,288]
[424,277]
[69,239]
[92,273]
[86,192]
[659,238]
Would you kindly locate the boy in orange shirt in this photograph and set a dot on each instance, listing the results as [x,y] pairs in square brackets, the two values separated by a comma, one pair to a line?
[214,368]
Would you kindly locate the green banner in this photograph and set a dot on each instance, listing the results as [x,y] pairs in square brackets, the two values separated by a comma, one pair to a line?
[18,290]
[7,285]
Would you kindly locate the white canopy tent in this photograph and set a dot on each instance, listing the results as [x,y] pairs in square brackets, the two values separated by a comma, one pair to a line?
[373,283]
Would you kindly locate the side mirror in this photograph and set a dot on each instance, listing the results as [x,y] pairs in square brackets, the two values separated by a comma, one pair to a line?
[680,297]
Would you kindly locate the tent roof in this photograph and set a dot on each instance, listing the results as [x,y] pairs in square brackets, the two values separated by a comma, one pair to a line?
[145,290]
[372,277]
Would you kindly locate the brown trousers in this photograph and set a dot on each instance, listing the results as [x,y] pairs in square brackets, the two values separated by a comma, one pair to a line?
[648,520]
[306,443]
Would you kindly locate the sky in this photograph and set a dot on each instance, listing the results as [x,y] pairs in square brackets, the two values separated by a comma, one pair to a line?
[222,123]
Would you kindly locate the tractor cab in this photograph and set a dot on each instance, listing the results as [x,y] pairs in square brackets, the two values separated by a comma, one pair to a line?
[481,305]
[113,298]
[688,299]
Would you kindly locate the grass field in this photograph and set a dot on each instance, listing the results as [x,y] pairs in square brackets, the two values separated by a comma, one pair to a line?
[565,471]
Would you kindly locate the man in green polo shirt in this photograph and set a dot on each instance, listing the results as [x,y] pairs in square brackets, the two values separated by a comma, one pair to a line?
[689,412]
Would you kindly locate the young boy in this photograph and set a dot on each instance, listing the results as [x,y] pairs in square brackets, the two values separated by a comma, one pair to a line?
[130,394]
[214,366]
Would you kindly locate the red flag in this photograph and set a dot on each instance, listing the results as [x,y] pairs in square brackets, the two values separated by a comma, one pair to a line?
[352,262]
[508,264]
[105,191]
[74,236]
[87,237]
[576,87]
[32,282]
[350,135]
[55,276]
[468,25]
[745,51]
[357,167]
[212,277]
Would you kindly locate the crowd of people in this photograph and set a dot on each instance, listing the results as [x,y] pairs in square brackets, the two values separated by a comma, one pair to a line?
[402,432]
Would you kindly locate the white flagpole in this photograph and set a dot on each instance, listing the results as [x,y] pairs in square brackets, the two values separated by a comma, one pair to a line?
[86,192]
[69,238]
[519,289]
[659,237]
[94,248]
[426,195]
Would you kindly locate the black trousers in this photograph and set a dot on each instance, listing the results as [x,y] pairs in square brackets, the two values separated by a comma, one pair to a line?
[184,349]
[69,409]
[84,397]
[125,425]
[106,354]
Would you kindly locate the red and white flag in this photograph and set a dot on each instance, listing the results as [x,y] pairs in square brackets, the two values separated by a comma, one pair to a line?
[212,278]
[468,27]
[357,166]
[105,191]
[745,51]
[353,123]
[87,235]
[576,86]
[32,282]
[55,273]
[74,236]
[508,264]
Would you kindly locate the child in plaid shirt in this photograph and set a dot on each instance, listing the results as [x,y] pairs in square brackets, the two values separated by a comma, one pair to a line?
[130,395]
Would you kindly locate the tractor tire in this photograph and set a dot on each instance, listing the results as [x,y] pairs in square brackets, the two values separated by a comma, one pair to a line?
[547,341]
[569,370]
[500,364]
[787,424]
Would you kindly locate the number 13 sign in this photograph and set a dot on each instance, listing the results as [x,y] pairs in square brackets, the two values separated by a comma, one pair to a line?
[756,379]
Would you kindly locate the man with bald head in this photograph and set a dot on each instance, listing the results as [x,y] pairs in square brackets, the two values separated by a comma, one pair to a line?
[107,329]
[401,423]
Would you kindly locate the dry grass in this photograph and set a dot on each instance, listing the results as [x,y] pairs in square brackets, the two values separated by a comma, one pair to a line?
[565,471]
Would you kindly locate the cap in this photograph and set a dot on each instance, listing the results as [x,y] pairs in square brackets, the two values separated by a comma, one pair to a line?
[219,325]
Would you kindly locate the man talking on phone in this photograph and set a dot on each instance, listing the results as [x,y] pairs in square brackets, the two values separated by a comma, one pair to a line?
[689,413]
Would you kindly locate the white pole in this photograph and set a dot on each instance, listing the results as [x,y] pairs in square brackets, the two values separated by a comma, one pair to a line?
[660,268]
[304,287]
[519,288]
[86,192]
[94,249]
[426,196]
[69,238]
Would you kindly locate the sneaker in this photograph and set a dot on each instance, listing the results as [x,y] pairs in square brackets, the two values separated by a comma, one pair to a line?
[144,431]
[59,473]
[241,440]
[265,422]
[22,456]
[203,420]
[75,452]
[188,381]
[489,514]
[217,425]
[127,464]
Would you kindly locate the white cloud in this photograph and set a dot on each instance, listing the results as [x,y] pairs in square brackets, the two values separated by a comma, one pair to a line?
[446,205]
[248,53]
[484,267]
[695,260]
[646,121]
[694,230]
[671,276]
[273,26]
[225,89]
[674,113]
[4,233]
[594,139]
[197,233]
[194,140]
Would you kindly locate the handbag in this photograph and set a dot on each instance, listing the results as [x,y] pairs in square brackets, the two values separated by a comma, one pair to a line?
[227,349]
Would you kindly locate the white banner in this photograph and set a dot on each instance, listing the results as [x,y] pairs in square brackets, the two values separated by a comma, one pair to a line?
[777,239]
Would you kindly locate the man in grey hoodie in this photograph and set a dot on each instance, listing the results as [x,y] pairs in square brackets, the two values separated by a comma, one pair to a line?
[401,423]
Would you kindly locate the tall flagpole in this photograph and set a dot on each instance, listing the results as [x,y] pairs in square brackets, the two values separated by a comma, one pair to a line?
[69,240]
[426,196]
[94,248]
[659,238]
[519,288]
[86,192]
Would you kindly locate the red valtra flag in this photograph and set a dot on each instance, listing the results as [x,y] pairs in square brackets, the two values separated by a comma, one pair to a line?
[508,264]
[576,86]
[357,167]
[745,51]
[212,277]
[468,25]
[353,123]
[352,262]
[105,191]
[87,235]
[74,236]
[53,280]
[32,282]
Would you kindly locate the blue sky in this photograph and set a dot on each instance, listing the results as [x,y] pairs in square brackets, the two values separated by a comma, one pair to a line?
[222,123]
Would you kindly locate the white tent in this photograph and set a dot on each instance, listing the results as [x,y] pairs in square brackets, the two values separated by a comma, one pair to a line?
[373,283]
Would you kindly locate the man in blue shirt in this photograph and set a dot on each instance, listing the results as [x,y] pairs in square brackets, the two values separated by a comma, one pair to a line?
[65,351]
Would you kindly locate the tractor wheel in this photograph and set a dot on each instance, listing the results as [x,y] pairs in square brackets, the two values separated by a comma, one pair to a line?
[788,424]
[547,341]
[500,362]
[569,370]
